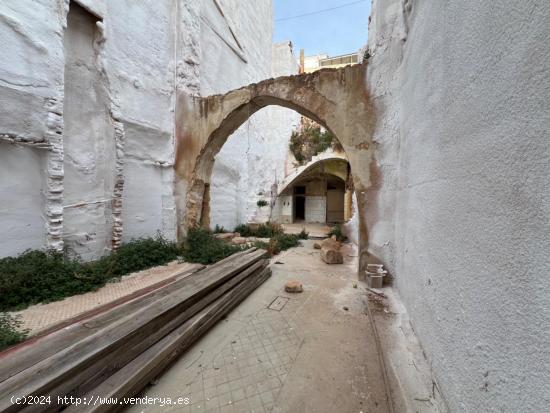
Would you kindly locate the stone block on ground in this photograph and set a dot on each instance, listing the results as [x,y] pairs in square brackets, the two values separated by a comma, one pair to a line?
[239,241]
[293,287]
[331,255]
[225,235]
[256,239]
[331,243]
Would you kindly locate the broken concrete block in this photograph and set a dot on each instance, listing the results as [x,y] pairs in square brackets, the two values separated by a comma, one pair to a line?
[331,255]
[293,287]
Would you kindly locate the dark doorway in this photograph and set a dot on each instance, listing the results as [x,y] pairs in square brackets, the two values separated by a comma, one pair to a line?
[299,203]
[299,208]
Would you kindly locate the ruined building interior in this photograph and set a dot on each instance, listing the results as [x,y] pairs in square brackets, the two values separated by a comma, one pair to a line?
[124,120]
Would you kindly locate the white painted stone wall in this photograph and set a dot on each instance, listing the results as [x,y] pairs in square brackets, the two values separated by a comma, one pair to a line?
[142,53]
[22,227]
[459,209]
[253,159]
[316,209]
[31,70]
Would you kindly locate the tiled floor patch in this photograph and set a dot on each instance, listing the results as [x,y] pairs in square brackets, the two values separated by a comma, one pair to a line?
[249,372]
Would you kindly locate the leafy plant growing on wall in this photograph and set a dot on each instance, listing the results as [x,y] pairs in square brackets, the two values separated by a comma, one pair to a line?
[311,140]
[261,203]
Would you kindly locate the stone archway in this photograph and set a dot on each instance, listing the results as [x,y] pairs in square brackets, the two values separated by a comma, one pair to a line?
[303,170]
[337,99]
[325,166]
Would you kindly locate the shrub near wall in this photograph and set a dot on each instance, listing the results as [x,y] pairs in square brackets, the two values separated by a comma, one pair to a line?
[40,277]
[201,247]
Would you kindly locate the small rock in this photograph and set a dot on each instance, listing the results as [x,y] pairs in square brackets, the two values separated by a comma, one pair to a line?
[225,235]
[346,308]
[293,287]
[279,262]
[354,285]
[239,240]
[317,245]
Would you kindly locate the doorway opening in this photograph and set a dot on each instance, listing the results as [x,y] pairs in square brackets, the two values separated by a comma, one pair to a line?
[299,203]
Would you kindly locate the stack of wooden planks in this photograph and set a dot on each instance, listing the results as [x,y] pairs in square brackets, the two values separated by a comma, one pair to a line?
[117,353]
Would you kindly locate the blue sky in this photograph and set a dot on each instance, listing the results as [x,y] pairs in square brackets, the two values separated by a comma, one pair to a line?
[334,32]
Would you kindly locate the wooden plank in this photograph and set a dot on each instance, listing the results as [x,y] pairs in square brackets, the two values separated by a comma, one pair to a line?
[132,327]
[39,347]
[85,380]
[133,377]
[12,363]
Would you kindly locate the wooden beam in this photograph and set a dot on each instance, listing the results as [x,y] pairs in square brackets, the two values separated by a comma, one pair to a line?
[137,374]
[127,330]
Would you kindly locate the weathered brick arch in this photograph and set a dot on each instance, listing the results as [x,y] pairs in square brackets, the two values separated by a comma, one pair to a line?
[335,98]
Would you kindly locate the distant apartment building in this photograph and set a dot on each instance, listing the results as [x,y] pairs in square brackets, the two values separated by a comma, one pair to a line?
[319,61]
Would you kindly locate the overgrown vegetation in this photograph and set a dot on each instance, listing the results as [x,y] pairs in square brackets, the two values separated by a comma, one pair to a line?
[266,230]
[337,231]
[219,230]
[201,247]
[279,242]
[44,276]
[262,203]
[303,234]
[309,141]
[10,333]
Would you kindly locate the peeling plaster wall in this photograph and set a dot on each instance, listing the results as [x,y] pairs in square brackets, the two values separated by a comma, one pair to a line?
[118,180]
[459,209]
[141,67]
[88,142]
[253,159]
[30,101]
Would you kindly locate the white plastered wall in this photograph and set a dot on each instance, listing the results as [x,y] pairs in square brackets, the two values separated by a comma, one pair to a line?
[459,209]
[253,159]
[143,53]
